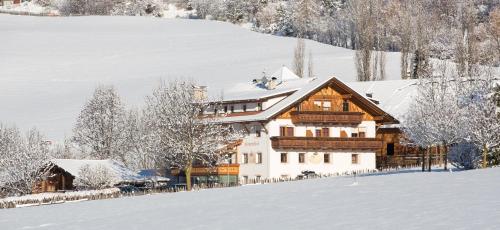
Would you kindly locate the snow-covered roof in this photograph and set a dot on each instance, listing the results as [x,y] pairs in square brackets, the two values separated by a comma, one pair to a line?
[305,90]
[266,114]
[73,166]
[284,74]
[152,174]
[394,96]
[287,82]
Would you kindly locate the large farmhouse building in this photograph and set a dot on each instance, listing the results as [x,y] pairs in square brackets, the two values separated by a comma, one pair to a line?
[294,124]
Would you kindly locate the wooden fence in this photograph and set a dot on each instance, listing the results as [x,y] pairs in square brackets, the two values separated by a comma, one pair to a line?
[58,199]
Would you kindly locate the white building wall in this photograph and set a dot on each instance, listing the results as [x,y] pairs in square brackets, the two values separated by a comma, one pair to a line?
[271,101]
[340,162]
[252,145]
[271,166]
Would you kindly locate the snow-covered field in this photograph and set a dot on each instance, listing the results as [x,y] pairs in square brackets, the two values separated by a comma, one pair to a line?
[50,65]
[437,200]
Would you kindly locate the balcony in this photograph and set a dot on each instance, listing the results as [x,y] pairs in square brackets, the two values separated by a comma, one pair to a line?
[326,117]
[325,143]
[223,169]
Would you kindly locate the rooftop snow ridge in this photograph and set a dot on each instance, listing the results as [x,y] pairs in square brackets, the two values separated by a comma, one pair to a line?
[282,81]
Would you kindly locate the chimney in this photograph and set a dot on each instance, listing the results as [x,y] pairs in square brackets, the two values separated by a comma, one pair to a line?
[271,84]
[369,95]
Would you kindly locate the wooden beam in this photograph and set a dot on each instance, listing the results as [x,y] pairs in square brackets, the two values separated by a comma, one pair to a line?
[246,128]
[264,127]
[346,96]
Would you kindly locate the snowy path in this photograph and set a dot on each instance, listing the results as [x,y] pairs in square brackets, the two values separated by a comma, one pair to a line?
[49,66]
[438,200]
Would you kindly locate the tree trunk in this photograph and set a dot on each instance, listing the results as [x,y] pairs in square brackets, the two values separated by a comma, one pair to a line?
[440,154]
[430,158]
[187,171]
[423,159]
[445,156]
[485,156]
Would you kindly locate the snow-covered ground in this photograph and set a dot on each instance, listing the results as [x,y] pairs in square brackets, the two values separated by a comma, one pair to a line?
[49,66]
[437,200]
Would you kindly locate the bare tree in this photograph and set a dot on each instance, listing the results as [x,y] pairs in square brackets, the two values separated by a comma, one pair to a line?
[363,16]
[310,65]
[482,117]
[467,53]
[23,160]
[435,118]
[100,126]
[186,136]
[142,151]
[494,34]
[405,34]
[305,17]
[422,32]
[299,58]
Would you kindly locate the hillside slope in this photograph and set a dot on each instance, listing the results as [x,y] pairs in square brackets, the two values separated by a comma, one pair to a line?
[437,200]
[49,66]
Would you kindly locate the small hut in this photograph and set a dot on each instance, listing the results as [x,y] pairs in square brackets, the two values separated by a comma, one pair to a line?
[62,172]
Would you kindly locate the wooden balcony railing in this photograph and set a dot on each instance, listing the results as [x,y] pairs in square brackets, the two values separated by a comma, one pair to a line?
[325,143]
[326,117]
[224,169]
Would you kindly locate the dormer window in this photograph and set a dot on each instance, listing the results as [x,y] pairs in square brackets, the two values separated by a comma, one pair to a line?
[345,106]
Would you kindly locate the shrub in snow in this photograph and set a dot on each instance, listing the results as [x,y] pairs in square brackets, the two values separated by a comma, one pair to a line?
[97,177]
[139,7]
[465,155]
[51,198]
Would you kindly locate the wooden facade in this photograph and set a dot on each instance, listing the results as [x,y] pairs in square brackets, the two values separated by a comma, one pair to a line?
[326,117]
[395,152]
[336,100]
[56,180]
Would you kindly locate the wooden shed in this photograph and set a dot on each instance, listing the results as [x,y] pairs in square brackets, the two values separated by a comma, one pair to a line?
[56,179]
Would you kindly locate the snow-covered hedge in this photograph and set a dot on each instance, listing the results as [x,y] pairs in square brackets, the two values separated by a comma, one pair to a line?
[54,198]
